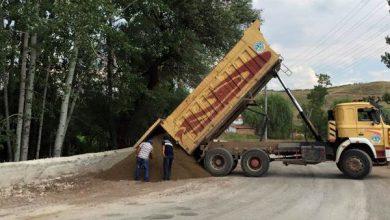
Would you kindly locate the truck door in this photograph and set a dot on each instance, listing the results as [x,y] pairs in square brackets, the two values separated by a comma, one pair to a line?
[369,126]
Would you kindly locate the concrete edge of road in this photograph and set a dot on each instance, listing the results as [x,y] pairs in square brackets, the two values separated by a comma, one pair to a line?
[42,170]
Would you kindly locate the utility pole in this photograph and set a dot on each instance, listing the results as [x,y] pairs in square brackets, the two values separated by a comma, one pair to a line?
[265,138]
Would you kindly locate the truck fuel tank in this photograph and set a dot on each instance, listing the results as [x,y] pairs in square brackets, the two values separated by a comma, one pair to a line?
[313,154]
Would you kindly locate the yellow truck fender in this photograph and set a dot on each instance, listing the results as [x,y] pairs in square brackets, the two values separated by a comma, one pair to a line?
[354,140]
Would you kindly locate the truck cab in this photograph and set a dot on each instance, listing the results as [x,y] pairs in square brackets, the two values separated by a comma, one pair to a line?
[359,125]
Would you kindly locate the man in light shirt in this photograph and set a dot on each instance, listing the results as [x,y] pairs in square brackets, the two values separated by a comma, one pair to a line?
[144,153]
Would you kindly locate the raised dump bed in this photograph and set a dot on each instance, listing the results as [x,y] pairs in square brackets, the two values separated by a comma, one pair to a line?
[230,88]
[223,94]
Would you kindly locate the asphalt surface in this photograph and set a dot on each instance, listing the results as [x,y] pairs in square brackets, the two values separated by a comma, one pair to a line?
[293,192]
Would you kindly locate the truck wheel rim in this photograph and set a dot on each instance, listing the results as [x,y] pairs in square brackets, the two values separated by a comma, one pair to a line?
[354,164]
[218,162]
[254,163]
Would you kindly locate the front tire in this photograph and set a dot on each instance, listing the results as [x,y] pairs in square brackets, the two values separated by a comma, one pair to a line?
[218,161]
[356,164]
[255,162]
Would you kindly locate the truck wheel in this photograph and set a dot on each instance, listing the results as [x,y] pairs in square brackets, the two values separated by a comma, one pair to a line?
[356,164]
[235,162]
[218,161]
[255,162]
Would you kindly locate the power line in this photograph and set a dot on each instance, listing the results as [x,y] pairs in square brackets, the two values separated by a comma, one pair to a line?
[334,29]
[367,55]
[342,32]
[363,20]
[355,47]
[350,66]
[346,63]
[363,49]
[352,44]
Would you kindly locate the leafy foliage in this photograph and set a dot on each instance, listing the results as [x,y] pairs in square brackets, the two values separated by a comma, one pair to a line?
[316,103]
[239,137]
[386,97]
[137,61]
[386,115]
[279,114]
[341,100]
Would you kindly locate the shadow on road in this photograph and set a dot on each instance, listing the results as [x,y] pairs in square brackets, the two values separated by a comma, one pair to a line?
[308,175]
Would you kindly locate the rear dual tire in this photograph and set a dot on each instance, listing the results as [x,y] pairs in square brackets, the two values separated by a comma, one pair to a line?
[219,162]
[255,163]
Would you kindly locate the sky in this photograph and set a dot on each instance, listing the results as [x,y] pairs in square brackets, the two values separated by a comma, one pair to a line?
[342,38]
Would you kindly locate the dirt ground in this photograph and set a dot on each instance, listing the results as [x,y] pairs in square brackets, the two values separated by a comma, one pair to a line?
[293,192]
[119,177]
[183,167]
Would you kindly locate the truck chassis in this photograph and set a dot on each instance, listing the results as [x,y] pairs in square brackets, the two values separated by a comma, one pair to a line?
[221,158]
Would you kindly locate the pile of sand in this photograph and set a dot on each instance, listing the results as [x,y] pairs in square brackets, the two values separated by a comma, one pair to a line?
[183,167]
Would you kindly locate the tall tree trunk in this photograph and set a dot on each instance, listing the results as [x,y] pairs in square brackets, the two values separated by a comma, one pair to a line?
[29,99]
[4,70]
[7,122]
[22,91]
[41,116]
[71,109]
[111,67]
[60,135]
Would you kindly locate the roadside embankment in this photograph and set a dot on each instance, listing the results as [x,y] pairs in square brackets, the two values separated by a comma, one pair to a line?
[42,170]
[110,165]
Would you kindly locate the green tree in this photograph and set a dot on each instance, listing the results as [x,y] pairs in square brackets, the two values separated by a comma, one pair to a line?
[279,115]
[176,43]
[182,39]
[386,97]
[386,115]
[84,21]
[105,69]
[341,100]
[4,82]
[316,104]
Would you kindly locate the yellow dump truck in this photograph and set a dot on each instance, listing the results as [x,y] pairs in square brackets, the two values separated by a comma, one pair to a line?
[358,137]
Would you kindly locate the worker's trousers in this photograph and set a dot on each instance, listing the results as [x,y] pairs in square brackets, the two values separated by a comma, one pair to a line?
[142,164]
[167,167]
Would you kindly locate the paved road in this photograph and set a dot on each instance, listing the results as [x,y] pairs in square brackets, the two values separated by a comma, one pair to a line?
[293,192]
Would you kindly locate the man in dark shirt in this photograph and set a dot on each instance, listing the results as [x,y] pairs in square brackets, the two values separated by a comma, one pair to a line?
[168,157]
